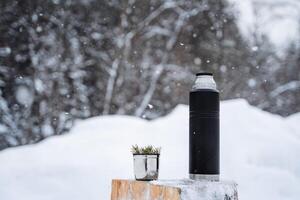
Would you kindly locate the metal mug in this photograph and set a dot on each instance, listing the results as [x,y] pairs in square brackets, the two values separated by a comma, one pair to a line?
[146,166]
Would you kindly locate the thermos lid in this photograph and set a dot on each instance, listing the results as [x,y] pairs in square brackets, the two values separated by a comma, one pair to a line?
[204,96]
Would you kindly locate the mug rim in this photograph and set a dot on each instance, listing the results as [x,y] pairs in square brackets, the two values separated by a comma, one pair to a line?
[141,154]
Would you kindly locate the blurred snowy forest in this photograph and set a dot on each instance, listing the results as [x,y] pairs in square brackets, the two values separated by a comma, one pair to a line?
[67,60]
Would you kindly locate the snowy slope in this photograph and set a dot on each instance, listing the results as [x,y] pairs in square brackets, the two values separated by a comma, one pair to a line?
[260,151]
[293,122]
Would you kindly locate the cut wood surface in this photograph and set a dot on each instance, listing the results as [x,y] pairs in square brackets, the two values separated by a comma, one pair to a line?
[173,190]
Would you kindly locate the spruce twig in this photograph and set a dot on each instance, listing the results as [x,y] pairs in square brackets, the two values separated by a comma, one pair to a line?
[135,149]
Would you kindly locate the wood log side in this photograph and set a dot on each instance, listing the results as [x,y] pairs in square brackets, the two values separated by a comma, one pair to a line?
[139,190]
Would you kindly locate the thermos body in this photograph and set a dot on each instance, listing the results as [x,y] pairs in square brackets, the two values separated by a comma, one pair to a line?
[204,136]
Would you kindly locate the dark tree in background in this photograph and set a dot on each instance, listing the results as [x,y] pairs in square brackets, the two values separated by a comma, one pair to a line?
[67,60]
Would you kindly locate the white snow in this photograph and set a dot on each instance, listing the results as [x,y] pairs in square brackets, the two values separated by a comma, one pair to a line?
[47,130]
[201,190]
[251,82]
[5,51]
[3,128]
[39,85]
[24,95]
[293,122]
[269,17]
[259,151]
[150,106]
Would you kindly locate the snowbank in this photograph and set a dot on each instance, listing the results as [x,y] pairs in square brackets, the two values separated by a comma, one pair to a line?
[260,151]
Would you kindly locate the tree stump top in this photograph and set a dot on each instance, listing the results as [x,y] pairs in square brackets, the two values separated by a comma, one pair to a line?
[173,190]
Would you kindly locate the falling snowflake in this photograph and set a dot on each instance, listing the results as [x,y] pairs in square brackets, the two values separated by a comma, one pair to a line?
[251,82]
[197,61]
[254,48]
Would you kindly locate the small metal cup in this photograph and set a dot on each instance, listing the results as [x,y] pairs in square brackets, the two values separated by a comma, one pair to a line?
[146,167]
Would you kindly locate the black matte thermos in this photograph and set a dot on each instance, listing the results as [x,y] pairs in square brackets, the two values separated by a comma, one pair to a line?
[204,129]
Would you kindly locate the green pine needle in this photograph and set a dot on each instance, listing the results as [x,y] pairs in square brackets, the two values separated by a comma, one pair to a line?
[135,149]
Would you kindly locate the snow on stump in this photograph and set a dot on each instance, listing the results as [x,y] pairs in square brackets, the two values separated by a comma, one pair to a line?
[173,190]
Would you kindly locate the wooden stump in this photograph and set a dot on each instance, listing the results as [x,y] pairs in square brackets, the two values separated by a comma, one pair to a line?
[173,190]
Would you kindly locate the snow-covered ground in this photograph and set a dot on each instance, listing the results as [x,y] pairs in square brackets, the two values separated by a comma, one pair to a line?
[260,151]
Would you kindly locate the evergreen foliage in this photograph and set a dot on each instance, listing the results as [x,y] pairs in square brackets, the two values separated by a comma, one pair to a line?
[147,150]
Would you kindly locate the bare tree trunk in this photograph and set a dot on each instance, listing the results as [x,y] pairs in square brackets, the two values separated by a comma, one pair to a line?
[148,96]
[293,85]
[110,86]
[160,67]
